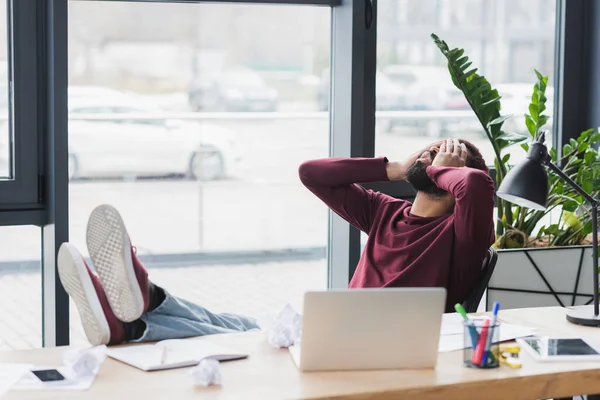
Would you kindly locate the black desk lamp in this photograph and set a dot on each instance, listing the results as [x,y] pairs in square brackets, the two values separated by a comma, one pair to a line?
[526,185]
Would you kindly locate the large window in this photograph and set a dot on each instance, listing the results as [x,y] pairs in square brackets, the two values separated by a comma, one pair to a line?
[505,39]
[192,120]
[195,134]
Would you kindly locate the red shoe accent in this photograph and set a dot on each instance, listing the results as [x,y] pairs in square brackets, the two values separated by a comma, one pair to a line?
[141,275]
[117,327]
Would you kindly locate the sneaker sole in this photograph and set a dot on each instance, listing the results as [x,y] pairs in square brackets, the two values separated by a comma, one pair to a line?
[78,284]
[110,250]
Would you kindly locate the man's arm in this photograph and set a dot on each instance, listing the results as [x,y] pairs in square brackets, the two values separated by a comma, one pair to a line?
[335,182]
[473,191]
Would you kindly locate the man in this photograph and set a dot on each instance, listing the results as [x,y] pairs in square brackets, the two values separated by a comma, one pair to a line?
[439,240]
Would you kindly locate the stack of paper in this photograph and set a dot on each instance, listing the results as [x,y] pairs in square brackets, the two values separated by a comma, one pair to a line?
[452,335]
[10,374]
[71,381]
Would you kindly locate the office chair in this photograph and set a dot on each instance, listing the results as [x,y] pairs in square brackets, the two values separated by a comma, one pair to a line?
[471,304]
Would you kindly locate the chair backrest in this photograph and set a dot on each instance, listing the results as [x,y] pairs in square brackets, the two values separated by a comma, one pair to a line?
[472,302]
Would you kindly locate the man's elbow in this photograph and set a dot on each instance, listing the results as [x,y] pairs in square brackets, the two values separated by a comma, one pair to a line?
[477,181]
[307,171]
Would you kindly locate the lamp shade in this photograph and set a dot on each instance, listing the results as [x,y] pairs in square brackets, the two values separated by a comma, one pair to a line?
[526,185]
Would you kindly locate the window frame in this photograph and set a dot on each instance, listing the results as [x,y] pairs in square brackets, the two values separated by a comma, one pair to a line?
[23,191]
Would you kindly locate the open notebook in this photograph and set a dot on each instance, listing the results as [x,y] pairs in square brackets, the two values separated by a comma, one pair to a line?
[175,353]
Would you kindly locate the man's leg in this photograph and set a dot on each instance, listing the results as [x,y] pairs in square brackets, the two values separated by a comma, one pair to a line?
[133,298]
[176,318]
[100,324]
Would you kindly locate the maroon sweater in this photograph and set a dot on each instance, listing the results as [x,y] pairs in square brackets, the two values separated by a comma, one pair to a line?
[404,250]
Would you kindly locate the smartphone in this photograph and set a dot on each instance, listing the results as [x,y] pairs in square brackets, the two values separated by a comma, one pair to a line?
[48,375]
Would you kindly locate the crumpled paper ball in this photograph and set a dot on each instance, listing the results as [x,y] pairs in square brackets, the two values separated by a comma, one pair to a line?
[206,373]
[85,362]
[285,330]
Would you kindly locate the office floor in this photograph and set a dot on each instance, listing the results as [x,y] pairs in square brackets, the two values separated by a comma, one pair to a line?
[256,290]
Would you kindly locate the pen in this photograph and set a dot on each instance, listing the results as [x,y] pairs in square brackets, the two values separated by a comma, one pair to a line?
[490,337]
[472,330]
[163,358]
[478,351]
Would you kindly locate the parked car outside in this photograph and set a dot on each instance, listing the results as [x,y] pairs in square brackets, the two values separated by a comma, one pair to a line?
[427,87]
[111,146]
[236,89]
[388,96]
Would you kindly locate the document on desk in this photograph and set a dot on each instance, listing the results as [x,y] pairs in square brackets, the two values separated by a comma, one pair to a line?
[71,382]
[452,336]
[10,374]
[175,353]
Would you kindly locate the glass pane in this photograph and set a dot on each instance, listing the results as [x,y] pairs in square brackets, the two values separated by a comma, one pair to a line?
[196,137]
[5,133]
[21,288]
[419,104]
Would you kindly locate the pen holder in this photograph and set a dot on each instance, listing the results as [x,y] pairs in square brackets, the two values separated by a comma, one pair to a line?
[481,343]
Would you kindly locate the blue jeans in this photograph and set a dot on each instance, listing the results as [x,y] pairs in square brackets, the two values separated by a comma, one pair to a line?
[177,318]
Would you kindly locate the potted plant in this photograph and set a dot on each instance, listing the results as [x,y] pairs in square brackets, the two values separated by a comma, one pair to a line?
[543,255]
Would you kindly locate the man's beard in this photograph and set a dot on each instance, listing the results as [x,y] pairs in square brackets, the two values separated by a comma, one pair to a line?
[417,176]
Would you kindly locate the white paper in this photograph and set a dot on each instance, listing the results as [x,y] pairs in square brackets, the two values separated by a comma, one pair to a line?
[285,330]
[71,382]
[206,373]
[85,362]
[10,374]
[456,341]
[452,324]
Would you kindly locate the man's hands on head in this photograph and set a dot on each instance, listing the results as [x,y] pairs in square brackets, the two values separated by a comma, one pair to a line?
[396,171]
[452,154]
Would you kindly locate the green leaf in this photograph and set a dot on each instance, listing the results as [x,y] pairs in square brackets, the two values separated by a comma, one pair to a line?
[553,230]
[560,188]
[540,76]
[567,149]
[582,147]
[462,60]
[589,157]
[573,143]
[587,228]
[541,107]
[571,220]
[570,205]
[499,120]
[505,158]
[533,111]
[525,146]
[492,101]
[553,154]
[531,125]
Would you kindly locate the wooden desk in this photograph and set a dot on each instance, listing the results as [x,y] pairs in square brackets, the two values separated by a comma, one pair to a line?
[271,374]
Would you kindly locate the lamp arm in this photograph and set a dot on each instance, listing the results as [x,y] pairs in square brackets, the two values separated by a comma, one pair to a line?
[594,203]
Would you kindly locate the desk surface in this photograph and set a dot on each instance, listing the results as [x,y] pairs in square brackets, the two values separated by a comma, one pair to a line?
[270,374]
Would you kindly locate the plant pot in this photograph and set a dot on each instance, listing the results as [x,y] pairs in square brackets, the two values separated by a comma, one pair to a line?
[539,277]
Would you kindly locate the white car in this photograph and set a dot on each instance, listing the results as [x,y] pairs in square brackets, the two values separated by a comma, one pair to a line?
[110,146]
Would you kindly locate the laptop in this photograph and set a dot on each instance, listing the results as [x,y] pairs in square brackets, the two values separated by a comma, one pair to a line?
[368,329]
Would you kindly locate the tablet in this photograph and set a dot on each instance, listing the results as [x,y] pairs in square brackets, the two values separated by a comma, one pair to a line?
[546,348]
